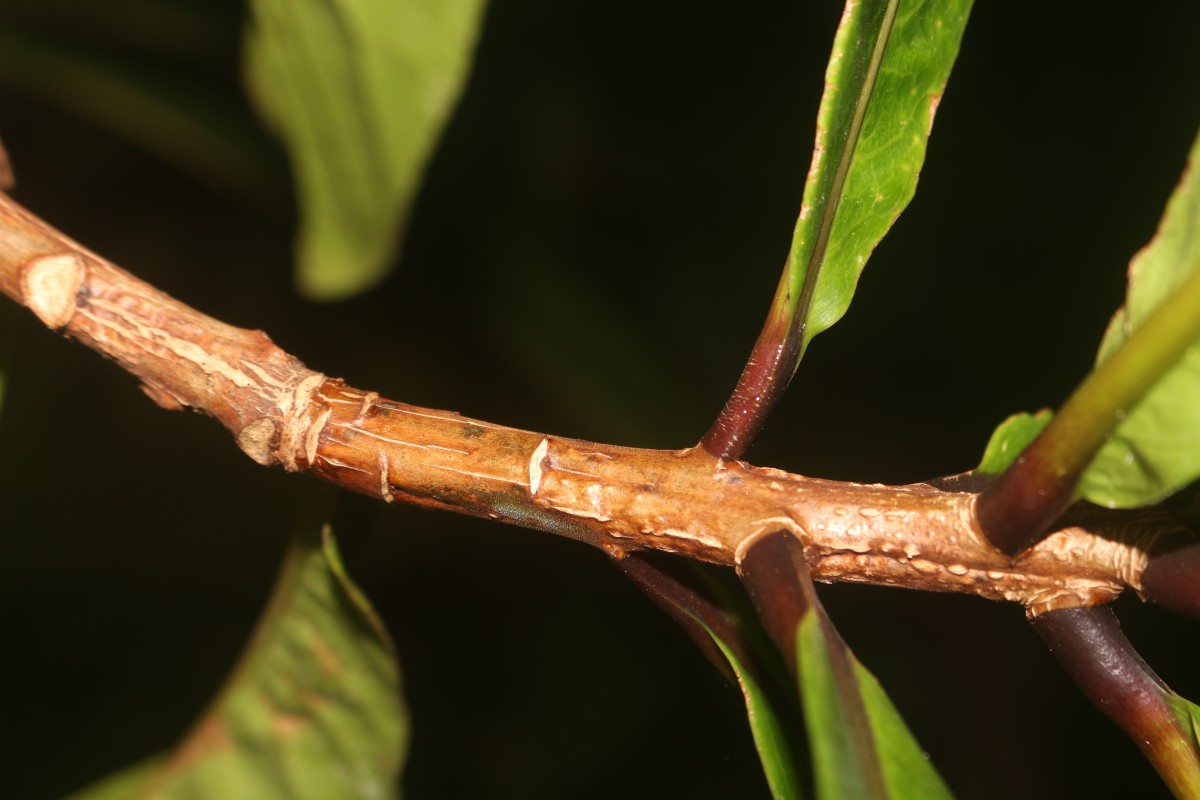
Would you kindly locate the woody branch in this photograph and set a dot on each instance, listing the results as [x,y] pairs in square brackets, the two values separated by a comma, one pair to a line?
[617,498]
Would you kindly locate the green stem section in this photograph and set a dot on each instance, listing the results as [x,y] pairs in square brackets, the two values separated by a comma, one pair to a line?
[1017,511]
[1099,658]
[780,345]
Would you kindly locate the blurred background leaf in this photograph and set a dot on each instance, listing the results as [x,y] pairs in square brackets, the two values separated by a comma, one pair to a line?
[144,75]
[312,709]
[1155,449]
[596,125]
[359,91]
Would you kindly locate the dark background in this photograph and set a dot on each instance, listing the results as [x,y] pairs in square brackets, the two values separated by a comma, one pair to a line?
[592,255]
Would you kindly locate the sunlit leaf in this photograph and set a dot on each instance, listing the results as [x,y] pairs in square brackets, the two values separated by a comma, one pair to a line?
[312,710]
[885,79]
[1155,449]
[1010,438]
[359,90]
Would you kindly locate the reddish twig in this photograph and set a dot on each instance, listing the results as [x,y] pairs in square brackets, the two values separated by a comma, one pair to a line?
[1172,579]
[700,617]
[775,574]
[1095,653]
[1019,509]
[759,388]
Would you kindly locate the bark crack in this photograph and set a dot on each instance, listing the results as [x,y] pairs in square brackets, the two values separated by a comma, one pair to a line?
[617,498]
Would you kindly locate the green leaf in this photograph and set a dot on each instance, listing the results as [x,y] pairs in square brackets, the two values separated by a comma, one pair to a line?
[359,90]
[906,768]
[134,781]
[312,710]
[860,746]
[886,76]
[1176,757]
[774,749]
[1188,714]
[844,761]
[849,762]
[1154,449]
[710,616]
[1010,438]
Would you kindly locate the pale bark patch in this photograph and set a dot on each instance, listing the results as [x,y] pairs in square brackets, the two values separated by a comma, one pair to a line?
[535,466]
[49,285]
[255,440]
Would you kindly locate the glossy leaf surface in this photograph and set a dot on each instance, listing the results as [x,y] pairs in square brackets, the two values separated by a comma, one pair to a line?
[359,91]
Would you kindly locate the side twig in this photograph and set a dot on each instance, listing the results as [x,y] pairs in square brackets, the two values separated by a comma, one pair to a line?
[1019,508]
[1095,653]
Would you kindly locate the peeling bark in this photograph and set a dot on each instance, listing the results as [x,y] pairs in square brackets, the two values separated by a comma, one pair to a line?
[617,498]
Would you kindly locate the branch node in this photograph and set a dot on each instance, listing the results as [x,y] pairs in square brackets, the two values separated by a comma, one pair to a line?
[535,466]
[256,439]
[49,286]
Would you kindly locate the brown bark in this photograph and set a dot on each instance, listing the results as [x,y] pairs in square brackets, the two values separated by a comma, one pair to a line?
[617,498]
